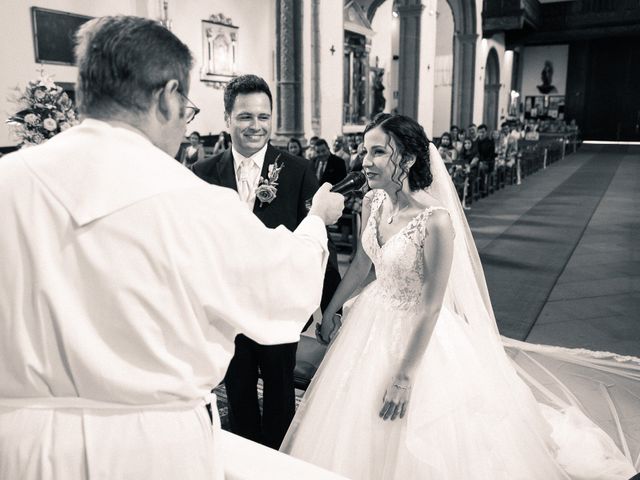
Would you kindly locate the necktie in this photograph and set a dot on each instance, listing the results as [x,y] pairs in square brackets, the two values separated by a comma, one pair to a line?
[245,180]
[321,166]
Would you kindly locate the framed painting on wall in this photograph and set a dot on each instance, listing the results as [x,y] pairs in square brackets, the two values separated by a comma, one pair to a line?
[54,35]
[219,50]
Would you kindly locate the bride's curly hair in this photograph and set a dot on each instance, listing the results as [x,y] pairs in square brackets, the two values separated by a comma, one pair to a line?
[411,141]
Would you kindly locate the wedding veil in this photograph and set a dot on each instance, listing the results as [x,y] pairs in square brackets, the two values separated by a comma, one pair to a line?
[604,386]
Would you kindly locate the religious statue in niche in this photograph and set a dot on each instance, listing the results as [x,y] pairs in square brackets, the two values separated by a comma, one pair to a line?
[547,79]
[377,87]
[219,49]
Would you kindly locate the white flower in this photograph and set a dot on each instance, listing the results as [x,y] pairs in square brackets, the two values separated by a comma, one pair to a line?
[49,124]
[64,126]
[268,188]
[47,82]
[266,193]
[37,138]
[39,94]
[31,118]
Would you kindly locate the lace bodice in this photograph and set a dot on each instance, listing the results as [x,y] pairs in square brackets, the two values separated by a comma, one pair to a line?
[399,262]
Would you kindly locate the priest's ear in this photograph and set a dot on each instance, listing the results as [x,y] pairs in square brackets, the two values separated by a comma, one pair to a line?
[168,98]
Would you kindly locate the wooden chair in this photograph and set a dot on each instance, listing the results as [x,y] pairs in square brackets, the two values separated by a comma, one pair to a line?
[308,358]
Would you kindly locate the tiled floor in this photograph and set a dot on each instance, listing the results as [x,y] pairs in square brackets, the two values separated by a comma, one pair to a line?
[596,301]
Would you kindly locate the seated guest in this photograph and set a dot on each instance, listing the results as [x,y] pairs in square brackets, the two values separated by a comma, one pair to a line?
[453,131]
[327,166]
[487,155]
[459,141]
[339,151]
[222,143]
[294,147]
[507,147]
[469,155]
[472,132]
[449,153]
[310,153]
[194,152]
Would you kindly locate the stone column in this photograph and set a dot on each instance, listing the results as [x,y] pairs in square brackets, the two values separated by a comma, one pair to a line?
[288,70]
[316,87]
[410,13]
[464,54]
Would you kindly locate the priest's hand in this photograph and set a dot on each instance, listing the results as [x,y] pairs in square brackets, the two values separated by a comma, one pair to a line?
[327,205]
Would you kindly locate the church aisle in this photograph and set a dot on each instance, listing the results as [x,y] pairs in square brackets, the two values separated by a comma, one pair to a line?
[561,252]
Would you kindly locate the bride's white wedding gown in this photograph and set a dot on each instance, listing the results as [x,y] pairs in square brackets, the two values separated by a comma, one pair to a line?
[470,415]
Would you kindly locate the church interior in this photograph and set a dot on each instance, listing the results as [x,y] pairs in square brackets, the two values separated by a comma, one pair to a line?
[554,84]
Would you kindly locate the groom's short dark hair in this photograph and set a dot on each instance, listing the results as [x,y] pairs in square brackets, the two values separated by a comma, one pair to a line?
[244,84]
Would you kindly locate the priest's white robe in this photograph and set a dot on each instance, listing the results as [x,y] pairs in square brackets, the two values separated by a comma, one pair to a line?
[123,281]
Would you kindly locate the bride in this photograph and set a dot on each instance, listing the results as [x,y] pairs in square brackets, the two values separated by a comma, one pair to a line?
[418,384]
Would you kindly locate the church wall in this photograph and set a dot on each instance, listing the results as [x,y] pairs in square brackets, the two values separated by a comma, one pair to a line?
[17,55]
[386,26]
[256,51]
[256,46]
[331,81]
[505,59]
[533,59]
[329,68]
[443,86]
[428,35]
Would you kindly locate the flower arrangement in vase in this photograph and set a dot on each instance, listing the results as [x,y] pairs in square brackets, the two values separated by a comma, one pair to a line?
[46,110]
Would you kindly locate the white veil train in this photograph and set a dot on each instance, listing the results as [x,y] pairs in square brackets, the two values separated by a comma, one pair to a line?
[566,383]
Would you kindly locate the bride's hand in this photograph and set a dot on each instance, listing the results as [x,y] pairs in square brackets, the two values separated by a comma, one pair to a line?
[328,328]
[396,398]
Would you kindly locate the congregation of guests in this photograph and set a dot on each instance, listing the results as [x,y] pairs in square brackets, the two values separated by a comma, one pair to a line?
[480,160]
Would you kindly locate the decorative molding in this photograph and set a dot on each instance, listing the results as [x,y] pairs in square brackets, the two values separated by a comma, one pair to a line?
[219,50]
[221,19]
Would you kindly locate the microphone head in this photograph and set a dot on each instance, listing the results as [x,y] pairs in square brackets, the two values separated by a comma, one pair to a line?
[353,181]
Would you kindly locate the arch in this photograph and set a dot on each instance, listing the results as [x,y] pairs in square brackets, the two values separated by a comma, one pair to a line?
[464,54]
[491,89]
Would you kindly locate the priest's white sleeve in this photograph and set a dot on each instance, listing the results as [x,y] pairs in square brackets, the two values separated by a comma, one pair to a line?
[262,282]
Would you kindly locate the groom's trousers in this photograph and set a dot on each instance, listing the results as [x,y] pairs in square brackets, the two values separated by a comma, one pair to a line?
[275,363]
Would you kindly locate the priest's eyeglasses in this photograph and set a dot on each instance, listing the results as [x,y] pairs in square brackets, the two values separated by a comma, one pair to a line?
[190,109]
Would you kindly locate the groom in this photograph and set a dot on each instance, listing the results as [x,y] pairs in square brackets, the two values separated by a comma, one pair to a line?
[246,167]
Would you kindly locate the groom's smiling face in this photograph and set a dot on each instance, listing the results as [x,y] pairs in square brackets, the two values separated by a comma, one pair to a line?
[250,122]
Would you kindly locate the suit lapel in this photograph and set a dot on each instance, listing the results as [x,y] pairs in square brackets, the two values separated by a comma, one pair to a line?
[226,171]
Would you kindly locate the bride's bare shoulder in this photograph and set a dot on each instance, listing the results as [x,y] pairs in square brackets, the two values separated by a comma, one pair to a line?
[426,201]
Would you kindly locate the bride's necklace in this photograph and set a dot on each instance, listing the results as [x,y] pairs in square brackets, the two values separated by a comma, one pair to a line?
[393,215]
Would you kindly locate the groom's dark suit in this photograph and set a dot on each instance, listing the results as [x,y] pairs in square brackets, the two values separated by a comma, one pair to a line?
[297,183]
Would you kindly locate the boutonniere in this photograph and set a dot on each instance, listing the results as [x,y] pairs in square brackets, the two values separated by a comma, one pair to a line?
[268,187]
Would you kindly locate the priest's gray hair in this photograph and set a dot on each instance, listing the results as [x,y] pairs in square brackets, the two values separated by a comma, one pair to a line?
[122,60]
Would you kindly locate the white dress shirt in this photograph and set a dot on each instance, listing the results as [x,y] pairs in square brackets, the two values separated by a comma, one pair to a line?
[124,281]
[248,174]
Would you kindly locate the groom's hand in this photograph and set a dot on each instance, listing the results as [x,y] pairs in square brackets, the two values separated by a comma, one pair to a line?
[327,205]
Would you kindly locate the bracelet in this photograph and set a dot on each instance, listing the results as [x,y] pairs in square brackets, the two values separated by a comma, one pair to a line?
[401,387]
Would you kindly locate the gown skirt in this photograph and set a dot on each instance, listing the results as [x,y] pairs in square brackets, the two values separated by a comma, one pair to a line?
[470,416]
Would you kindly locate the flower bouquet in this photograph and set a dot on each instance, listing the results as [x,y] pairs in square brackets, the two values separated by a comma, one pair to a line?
[46,111]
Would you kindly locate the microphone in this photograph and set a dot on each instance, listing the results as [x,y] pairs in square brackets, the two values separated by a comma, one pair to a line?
[353,181]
